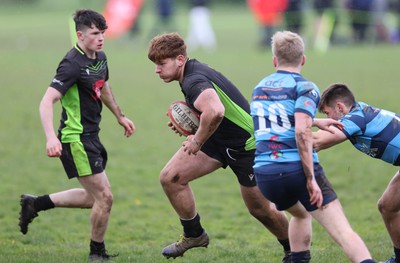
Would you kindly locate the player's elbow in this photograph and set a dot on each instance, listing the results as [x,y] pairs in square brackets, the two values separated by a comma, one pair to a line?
[317,146]
[218,117]
[216,114]
[219,114]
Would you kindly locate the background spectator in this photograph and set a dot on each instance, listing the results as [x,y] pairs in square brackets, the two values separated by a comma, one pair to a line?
[201,33]
[360,17]
[269,16]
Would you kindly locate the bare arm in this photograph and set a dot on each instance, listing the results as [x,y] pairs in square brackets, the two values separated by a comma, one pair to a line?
[304,141]
[327,123]
[108,99]
[324,139]
[212,113]
[53,144]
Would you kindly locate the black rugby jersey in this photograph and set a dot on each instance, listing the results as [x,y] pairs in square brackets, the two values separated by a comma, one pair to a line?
[236,128]
[80,80]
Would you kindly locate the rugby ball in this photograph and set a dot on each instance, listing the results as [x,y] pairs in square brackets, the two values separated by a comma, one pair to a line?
[185,120]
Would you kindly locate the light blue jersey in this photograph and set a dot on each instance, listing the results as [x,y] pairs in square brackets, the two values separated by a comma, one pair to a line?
[274,102]
[374,131]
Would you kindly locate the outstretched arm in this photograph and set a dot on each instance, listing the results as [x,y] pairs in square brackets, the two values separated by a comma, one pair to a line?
[327,123]
[324,139]
[108,99]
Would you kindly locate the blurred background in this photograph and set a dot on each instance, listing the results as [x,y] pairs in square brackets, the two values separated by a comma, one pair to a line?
[355,42]
[322,23]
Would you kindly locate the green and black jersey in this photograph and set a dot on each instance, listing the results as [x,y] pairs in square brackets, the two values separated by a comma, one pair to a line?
[237,125]
[80,80]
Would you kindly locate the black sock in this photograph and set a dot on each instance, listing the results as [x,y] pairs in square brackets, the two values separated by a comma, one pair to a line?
[43,203]
[285,244]
[368,261]
[192,227]
[301,257]
[396,254]
[97,247]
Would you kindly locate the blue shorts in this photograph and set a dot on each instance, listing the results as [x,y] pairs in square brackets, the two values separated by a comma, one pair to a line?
[286,189]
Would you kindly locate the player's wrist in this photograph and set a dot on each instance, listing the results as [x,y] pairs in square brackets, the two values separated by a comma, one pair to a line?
[199,144]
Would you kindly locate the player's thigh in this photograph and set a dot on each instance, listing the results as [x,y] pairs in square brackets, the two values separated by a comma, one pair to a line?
[390,198]
[184,168]
[299,211]
[333,219]
[96,185]
[253,198]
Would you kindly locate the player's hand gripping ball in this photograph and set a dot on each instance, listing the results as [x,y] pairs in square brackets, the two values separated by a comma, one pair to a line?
[184,120]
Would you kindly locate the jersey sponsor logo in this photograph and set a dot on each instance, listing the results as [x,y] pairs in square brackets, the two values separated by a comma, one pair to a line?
[309,103]
[279,97]
[373,152]
[273,83]
[275,155]
[274,138]
[97,86]
[260,97]
[275,146]
[58,82]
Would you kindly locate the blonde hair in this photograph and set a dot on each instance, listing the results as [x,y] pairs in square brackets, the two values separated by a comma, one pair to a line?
[288,48]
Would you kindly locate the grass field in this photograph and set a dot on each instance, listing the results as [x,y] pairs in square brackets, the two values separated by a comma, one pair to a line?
[33,39]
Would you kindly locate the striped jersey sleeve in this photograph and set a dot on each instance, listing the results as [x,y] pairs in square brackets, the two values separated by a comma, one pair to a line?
[374,131]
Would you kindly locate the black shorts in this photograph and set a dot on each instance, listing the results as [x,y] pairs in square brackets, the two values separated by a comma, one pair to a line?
[285,190]
[85,157]
[237,158]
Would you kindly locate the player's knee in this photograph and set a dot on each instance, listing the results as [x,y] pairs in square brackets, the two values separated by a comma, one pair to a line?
[168,178]
[107,200]
[385,207]
[258,209]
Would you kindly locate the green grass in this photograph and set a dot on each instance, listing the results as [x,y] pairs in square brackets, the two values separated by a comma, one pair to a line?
[33,39]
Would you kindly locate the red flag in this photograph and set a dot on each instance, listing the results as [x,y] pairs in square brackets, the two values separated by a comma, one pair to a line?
[121,16]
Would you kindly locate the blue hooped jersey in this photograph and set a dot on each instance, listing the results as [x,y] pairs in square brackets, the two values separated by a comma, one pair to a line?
[275,100]
[373,131]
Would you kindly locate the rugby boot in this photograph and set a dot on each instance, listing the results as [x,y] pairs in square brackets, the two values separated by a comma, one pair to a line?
[178,248]
[101,257]
[27,213]
[287,257]
[390,260]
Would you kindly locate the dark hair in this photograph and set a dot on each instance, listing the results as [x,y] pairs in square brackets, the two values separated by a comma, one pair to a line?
[86,18]
[336,92]
[165,46]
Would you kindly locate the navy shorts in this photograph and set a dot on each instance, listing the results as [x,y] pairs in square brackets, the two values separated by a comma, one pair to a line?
[85,157]
[237,158]
[285,190]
